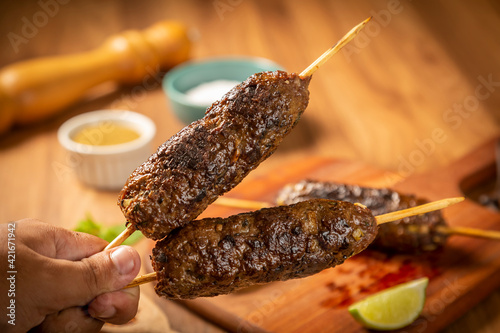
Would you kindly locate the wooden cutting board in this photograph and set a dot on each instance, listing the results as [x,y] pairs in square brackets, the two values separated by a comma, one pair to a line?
[461,274]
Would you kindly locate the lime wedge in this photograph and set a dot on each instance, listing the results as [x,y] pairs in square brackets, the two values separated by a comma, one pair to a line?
[392,308]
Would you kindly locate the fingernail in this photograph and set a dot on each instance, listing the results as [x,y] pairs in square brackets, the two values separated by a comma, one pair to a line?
[101,307]
[123,260]
[108,312]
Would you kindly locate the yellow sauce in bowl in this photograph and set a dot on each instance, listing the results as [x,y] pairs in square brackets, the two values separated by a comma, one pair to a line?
[105,134]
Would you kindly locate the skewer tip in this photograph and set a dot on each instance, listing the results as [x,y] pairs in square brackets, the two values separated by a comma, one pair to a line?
[417,210]
[456,200]
[129,230]
[334,49]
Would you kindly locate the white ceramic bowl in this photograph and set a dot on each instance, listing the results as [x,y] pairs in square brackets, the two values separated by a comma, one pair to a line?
[107,167]
[193,73]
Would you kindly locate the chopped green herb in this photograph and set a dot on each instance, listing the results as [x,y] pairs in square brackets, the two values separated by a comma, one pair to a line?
[90,226]
[112,232]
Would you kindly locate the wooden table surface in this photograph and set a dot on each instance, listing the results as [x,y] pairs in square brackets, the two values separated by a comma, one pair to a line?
[419,68]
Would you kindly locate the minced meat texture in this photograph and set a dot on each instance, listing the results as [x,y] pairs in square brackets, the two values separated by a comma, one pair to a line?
[414,234]
[212,155]
[216,256]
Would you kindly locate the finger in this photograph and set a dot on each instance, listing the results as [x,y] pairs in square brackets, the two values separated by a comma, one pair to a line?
[56,242]
[118,307]
[74,319]
[36,235]
[77,283]
[72,245]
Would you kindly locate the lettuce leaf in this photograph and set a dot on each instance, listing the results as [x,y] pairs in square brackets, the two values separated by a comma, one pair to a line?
[90,226]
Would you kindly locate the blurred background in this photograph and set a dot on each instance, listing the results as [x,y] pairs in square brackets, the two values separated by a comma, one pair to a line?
[409,73]
[416,90]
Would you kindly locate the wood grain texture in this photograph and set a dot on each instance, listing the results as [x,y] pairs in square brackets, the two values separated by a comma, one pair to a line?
[461,274]
[417,91]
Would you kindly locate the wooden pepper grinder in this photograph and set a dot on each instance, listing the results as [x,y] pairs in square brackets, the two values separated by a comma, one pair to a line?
[34,89]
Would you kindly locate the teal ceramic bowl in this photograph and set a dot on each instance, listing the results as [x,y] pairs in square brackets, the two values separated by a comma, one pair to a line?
[193,86]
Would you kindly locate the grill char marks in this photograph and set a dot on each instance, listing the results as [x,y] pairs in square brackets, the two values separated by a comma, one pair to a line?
[212,155]
[414,234]
[216,256]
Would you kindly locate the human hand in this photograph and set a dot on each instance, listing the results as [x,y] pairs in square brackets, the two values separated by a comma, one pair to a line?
[63,282]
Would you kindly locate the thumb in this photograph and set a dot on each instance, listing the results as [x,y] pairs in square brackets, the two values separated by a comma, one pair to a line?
[79,282]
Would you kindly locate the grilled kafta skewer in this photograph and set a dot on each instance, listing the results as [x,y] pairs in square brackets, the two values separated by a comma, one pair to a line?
[412,234]
[212,155]
[216,256]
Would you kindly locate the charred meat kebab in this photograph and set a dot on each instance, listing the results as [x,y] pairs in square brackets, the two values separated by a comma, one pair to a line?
[414,234]
[214,256]
[212,155]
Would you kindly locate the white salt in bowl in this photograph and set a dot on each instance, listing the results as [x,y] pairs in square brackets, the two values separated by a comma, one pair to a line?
[192,87]
[106,167]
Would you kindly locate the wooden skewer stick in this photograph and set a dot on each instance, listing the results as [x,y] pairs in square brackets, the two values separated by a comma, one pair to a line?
[143,279]
[307,72]
[242,203]
[463,231]
[223,201]
[389,217]
[125,233]
[393,216]
[121,237]
[417,210]
[334,49]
